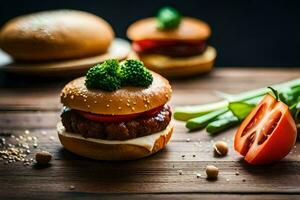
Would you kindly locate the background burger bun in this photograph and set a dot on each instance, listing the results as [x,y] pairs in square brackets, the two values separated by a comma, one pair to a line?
[59,34]
[189,29]
[100,151]
[178,66]
[124,101]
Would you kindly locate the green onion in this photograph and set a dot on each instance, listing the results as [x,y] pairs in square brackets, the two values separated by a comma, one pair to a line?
[219,116]
[185,113]
[223,122]
[201,122]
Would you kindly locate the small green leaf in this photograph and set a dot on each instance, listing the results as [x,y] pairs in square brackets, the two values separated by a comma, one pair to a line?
[241,109]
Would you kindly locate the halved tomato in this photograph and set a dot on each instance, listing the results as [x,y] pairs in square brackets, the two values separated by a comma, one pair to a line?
[267,134]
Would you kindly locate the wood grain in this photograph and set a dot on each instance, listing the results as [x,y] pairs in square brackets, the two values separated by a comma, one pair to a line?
[155,177]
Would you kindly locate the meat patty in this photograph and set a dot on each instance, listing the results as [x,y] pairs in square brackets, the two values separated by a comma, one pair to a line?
[76,123]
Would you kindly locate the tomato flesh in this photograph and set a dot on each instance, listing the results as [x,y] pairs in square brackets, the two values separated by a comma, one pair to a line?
[119,118]
[267,134]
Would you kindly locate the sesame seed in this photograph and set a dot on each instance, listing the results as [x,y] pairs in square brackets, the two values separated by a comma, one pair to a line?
[188,139]
[198,175]
[72,96]
[180,172]
[95,102]
[121,100]
[128,100]
[134,103]
[88,106]
[84,100]
[72,187]
[27,132]
[237,173]
[107,105]
[132,108]
[110,100]
[128,104]
[119,108]
[227,179]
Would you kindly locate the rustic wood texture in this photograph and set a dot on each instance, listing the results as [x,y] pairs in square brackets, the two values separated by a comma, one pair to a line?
[30,105]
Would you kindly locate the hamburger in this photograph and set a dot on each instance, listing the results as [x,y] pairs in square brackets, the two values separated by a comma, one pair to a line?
[172,45]
[118,111]
[53,35]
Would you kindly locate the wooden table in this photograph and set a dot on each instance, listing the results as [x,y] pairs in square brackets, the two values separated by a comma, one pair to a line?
[28,104]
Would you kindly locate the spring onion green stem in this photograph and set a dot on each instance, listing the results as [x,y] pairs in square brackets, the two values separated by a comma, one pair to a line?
[185,113]
[223,122]
[202,121]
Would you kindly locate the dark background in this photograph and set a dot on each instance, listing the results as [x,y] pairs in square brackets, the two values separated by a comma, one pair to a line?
[245,33]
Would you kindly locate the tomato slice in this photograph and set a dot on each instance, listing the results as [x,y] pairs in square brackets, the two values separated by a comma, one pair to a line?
[107,118]
[144,45]
[119,118]
[267,134]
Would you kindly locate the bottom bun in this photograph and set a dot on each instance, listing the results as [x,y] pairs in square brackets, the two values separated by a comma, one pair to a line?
[114,150]
[178,66]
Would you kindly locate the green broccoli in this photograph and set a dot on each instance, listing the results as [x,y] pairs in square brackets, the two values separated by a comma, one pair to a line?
[168,18]
[135,74]
[105,76]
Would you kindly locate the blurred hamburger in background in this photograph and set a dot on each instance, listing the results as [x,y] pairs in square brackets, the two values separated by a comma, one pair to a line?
[57,41]
[172,45]
[116,112]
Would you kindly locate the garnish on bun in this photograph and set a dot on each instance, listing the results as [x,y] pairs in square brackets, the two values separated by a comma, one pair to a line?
[107,122]
[180,43]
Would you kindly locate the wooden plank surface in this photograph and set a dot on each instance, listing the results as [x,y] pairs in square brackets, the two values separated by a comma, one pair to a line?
[26,105]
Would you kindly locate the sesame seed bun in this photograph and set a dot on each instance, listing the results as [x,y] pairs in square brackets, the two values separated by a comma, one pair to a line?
[59,34]
[114,150]
[124,101]
[189,29]
[178,66]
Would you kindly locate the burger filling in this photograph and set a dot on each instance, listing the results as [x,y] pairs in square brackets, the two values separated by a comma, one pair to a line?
[172,48]
[116,127]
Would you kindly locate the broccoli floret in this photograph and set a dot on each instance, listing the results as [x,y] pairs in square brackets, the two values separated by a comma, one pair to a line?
[105,76]
[168,18]
[135,74]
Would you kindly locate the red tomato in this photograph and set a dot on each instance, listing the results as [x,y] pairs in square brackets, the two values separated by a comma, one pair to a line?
[267,134]
[107,118]
[144,45]
[119,118]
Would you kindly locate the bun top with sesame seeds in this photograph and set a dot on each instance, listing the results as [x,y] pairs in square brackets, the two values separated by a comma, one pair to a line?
[124,101]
